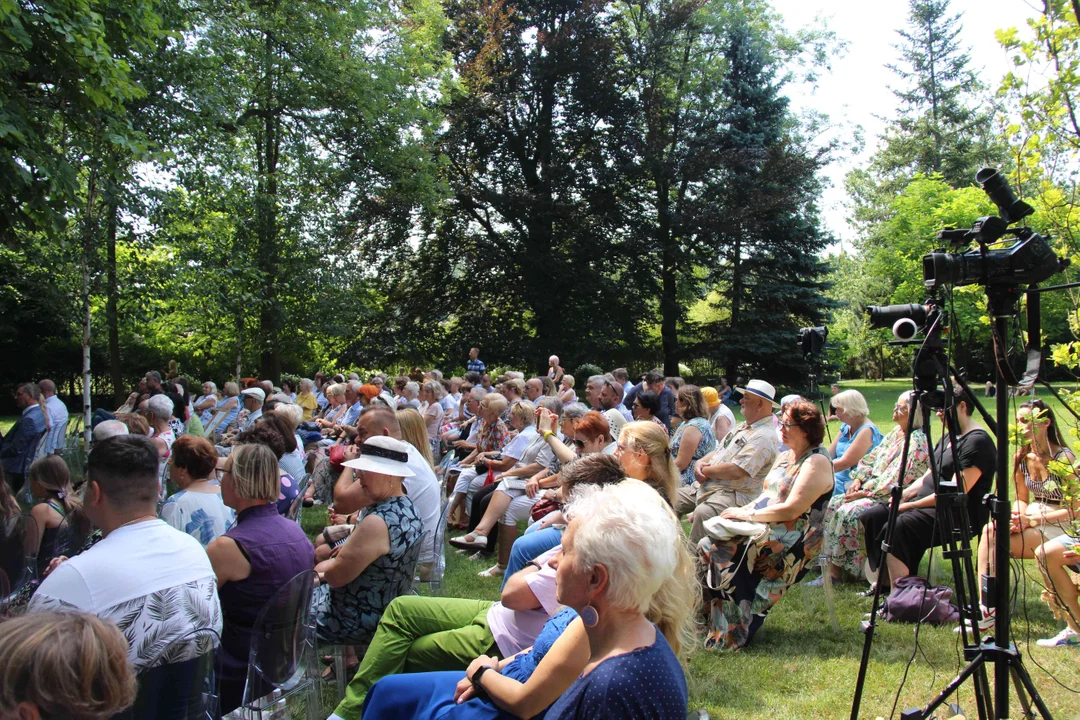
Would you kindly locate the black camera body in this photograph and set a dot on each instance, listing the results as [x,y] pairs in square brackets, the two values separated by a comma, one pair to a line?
[1027,261]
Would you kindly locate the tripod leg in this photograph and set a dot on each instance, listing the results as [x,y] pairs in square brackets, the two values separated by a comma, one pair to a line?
[1020,673]
[1021,693]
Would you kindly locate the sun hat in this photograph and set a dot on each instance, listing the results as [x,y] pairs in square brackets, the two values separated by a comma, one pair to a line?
[616,420]
[383,455]
[255,392]
[761,389]
[712,398]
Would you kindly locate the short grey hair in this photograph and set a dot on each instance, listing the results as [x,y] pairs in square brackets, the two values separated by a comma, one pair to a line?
[213,386]
[412,387]
[550,403]
[108,429]
[307,383]
[160,406]
[33,390]
[354,376]
[434,387]
[355,385]
[478,393]
[599,380]
[291,412]
[436,374]
[575,411]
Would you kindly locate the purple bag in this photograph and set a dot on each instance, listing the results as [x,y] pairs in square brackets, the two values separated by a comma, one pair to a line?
[913,599]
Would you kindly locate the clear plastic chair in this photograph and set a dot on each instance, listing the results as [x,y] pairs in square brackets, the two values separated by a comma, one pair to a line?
[71,535]
[433,584]
[5,590]
[296,509]
[177,686]
[282,651]
[19,566]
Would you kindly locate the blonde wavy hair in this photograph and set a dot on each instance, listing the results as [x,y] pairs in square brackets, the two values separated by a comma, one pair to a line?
[67,665]
[414,431]
[524,411]
[651,439]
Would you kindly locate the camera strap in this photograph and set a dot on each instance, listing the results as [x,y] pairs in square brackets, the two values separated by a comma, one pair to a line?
[1033,348]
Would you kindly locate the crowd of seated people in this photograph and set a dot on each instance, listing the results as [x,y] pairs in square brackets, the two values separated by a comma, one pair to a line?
[193,495]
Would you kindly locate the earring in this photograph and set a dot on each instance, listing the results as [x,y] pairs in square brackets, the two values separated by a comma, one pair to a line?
[589,616]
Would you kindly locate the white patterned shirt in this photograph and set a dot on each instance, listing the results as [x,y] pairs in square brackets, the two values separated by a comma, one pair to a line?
[155,582]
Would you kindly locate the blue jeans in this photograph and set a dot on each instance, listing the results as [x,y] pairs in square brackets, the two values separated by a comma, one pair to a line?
[530,546]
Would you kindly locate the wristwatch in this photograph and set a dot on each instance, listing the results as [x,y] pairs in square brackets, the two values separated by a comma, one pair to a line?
[475,679]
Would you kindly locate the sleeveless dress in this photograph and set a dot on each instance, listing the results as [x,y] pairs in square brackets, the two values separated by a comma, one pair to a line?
[745,577]
[706,446]
[350,614]
[841,478]
[845,545]
[48,539]
[168,437]
[278,550]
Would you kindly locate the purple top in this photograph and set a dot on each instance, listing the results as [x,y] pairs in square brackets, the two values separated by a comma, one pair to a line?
[278,550]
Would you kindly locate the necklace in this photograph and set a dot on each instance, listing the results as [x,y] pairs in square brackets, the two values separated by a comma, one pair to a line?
[137,520]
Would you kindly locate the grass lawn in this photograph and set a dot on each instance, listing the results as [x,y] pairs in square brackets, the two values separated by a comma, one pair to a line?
[799,666]
[6,421]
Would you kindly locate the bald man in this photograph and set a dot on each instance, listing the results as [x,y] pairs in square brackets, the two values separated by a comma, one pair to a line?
[58,416]
[422,488]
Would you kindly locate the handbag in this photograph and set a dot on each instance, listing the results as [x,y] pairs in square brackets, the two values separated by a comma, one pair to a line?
[542,508]
[720,528]
[914,600]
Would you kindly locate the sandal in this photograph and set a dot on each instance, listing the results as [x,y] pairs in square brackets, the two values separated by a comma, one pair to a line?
[491,572]
[330,674]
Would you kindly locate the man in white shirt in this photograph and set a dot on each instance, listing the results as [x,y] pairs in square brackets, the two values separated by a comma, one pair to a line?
[422,488]
[58,416]
[156,583]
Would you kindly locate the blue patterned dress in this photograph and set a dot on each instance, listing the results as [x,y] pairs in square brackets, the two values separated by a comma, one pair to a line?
[203,516]
[350,614]
[706,446]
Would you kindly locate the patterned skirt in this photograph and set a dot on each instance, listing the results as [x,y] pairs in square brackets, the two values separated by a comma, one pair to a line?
[745,577]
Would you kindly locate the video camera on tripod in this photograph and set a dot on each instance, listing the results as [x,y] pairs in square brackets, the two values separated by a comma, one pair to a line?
[1006,273]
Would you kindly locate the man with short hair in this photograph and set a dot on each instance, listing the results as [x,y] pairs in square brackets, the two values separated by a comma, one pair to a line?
[611,397]
[253,399]
[153,382]
[17,448]
[422,488]
[267,388]
[654,380]
[732,475]
[623,377]
[58,416]
[534,388]
[475,364]
[156,583]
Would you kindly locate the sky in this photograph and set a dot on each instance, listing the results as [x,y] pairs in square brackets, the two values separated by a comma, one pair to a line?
[857,91]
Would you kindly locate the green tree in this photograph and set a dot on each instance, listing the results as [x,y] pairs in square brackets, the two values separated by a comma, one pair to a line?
[761,216]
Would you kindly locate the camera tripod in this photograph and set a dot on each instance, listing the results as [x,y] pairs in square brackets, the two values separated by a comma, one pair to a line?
[931,367]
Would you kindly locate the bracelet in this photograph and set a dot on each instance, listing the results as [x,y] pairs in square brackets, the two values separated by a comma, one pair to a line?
[547,434]
[475,680]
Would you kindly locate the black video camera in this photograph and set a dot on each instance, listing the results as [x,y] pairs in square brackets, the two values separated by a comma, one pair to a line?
[1027,261]
[812,340]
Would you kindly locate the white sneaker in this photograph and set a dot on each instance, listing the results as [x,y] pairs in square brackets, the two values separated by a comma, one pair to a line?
[986,622]
[1068,636]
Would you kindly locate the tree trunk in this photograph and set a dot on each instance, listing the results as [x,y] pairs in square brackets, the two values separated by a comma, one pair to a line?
[111,307]
[735,299]
[669,301]
[270,148]
[87,248]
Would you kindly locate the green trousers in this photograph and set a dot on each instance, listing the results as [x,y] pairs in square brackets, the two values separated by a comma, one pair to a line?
[420,634]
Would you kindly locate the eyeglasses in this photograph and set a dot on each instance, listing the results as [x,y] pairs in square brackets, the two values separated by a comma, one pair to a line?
[580,444]
[789,424]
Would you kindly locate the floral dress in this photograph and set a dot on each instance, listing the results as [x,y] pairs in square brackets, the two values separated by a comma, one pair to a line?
[350,614]
[844,543]
[706,446]
[745,576]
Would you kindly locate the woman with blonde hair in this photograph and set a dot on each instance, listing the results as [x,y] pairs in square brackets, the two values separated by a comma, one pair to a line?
[857,436]
[335,412]
[50,481]
[566,390]
[253,559]
[431,393]
[69,665]
[414,432]
[645,455]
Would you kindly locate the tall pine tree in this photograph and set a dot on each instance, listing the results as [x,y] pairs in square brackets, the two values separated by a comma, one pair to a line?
[763,219]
